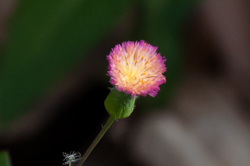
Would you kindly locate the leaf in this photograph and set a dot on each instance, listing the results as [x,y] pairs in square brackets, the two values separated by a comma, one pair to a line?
[4,159]
[46,39]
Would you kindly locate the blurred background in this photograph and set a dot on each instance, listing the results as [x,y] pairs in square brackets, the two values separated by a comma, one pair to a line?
[53,82]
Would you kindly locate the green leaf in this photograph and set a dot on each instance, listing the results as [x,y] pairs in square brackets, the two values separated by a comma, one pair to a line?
[46,39]
[4,159]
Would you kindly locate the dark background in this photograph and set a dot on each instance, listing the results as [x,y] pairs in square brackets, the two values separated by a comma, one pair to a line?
[53,82]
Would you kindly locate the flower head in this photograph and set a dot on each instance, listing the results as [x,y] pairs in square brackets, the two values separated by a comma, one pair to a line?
[136,68]
[72,157]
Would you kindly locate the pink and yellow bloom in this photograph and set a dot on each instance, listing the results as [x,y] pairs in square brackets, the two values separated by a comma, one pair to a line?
[136,68]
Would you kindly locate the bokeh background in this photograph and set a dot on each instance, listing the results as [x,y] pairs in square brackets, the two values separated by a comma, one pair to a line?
[53,82]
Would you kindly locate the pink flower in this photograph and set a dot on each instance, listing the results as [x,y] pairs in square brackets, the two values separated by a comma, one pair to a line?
[136,68]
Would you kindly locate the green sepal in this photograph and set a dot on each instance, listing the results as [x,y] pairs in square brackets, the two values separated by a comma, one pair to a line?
[119,104]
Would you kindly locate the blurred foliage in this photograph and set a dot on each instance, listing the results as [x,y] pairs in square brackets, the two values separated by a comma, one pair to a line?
[164,22]
[47,38]
[4,159]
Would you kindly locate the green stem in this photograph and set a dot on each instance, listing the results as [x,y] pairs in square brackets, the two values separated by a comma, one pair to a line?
[97,139]
[70,160]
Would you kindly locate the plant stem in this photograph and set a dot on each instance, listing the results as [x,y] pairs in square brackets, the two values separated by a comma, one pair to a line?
[70,160]
[97,139]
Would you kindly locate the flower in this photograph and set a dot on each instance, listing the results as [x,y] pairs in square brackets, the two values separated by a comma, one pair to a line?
[72,157]
[136,68]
